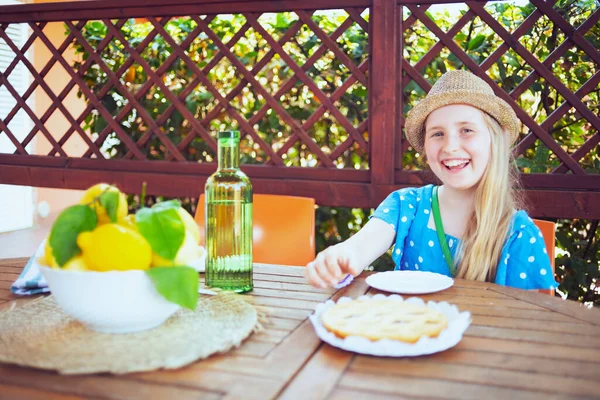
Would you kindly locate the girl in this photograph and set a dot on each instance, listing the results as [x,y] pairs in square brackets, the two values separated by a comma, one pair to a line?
[468,227]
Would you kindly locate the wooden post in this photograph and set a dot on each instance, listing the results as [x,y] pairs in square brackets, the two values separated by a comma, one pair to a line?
[383,96]
[399,146]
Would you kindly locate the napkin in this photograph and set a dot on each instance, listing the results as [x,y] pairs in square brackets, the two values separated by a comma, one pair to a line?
[344,282]
[31,281]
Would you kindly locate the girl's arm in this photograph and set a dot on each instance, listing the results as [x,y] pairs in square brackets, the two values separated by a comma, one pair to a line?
[351,256]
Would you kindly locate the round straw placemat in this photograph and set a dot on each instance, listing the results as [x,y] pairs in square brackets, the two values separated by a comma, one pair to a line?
[40,335]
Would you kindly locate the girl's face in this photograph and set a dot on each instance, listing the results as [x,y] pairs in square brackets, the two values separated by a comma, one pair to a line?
[457,145]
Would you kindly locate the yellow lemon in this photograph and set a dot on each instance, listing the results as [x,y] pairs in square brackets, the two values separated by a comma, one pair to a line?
[188,252]
[75,264]
[48,258]
[114,247]
[190,224]
[90,197]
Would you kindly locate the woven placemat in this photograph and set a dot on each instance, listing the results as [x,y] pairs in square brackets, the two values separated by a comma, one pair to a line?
[40,335]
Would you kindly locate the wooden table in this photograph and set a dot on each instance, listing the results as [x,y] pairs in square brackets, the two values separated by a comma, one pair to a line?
[520,345]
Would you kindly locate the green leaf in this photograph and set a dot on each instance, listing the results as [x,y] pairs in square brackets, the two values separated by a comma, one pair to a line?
[476,42]
[564,240]
[110,202]
[162,227]
[109,102]
[501,70]
[97,26]
[179,285]
[360,91]
[176,119]
[69,224]
[100,124]
[204,96]
[281,22]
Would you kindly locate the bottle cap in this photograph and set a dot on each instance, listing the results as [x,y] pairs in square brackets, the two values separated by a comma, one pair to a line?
[229,135]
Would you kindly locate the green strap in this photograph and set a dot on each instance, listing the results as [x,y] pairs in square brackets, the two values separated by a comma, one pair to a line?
[439,228]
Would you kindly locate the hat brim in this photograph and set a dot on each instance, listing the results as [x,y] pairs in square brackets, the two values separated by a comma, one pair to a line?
[491,104]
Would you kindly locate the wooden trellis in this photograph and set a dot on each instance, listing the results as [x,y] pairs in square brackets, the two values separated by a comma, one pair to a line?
[385,72]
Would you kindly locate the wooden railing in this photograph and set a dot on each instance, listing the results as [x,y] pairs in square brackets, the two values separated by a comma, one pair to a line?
[383,69]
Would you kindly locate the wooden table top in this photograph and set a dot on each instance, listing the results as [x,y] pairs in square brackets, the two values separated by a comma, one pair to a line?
[520,345]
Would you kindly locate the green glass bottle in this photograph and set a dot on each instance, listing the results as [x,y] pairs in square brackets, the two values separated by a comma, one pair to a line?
[229,220]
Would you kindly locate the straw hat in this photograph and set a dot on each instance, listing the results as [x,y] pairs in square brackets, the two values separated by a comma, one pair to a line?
[459,87]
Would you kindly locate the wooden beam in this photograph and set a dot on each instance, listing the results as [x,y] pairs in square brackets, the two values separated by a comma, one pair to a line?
[42,10]
[182,168]
[383,92]
[94,10]
[543,203]
[556,181]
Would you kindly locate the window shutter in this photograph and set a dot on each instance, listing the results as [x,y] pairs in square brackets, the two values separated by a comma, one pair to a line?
[19,78]
[16,202]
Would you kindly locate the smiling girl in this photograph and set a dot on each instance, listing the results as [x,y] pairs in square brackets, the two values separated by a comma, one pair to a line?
[468,227]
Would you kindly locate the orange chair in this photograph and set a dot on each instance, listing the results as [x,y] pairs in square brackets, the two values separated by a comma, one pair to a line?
[548,229]
[283,229]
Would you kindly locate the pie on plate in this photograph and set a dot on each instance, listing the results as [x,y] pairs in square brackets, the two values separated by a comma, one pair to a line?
[384,318]
[458,322]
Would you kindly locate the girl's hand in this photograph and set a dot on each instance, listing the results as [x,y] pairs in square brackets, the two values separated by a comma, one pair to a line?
[352,256]
[332,265]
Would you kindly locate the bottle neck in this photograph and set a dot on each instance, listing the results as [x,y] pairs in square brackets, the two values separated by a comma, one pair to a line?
[228,154]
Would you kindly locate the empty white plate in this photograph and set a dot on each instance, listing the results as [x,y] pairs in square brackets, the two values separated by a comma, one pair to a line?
[409,282]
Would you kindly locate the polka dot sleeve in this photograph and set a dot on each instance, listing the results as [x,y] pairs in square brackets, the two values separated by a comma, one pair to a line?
[526,259]
[398,210]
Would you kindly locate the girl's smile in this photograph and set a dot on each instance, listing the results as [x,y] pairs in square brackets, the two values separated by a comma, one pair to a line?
[456,164]
[457,145]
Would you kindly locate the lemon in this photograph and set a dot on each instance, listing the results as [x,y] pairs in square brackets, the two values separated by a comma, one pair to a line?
[114,247]
[48,258]
[128,222]
[90,197]
[188,252]
[190,224]
[75,264]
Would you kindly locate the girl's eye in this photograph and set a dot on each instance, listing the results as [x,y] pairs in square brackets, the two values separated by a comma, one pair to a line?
[437,134]
[467,130]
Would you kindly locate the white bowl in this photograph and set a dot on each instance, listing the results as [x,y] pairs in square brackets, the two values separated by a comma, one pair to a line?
[109,302]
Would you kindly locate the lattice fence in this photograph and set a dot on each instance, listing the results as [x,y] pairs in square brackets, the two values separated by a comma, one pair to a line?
[318,95]
[513,57]
[118,100]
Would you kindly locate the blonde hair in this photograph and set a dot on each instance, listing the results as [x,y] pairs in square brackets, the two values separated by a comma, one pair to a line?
[495,203]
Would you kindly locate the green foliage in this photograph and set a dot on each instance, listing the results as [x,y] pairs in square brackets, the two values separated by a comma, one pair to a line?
[181,125]
[179,80]
[540,99]
[578,267]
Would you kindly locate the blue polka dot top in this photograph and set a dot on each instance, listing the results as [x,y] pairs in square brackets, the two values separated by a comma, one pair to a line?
[524,262]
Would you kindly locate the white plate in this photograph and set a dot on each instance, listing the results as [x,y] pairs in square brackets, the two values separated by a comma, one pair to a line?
[458,322]
[409,282]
